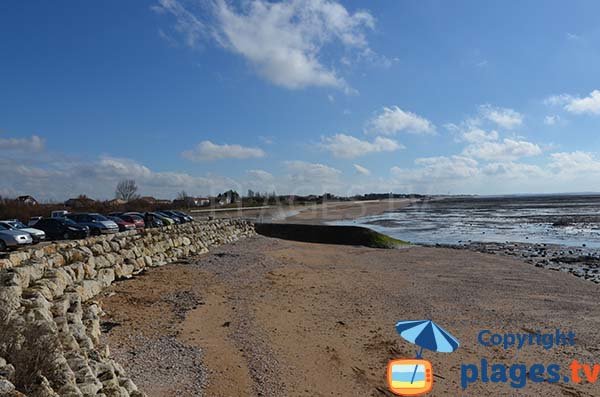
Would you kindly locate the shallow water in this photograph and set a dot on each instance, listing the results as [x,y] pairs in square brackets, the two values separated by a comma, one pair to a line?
[566,220]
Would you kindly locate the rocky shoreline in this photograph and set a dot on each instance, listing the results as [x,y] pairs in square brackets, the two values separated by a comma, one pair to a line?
[583,262]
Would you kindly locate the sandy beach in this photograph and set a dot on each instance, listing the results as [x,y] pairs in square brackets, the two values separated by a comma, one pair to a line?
[310,213]
[268,317]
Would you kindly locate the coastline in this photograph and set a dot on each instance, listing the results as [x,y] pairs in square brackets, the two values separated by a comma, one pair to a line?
[272,317]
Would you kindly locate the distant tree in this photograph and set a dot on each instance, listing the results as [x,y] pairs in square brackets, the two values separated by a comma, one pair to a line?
[127,190]
[182,195]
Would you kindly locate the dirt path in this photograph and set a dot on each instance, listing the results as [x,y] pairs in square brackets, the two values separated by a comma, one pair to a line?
[277,318]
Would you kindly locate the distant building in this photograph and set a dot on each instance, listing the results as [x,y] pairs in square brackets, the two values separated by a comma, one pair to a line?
[80,202]
[27,200]
[148,199]
[190,201]
[116,202]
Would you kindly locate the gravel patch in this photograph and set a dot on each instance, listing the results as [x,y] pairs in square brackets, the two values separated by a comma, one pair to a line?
[162,358]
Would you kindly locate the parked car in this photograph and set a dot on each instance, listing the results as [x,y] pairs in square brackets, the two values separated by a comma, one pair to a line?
[176,219]
[62,228]
[165,219]
[182,219]
[98,224]
[153,220]
[133,217]
[58,214]
[122,223]
[36,234]
[189,218]
[33,220]
[11,238]
[137,220]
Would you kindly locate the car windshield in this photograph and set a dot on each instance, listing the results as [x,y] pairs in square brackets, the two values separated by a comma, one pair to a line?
[68,221]
[98,217]
[4,227]
[17,224]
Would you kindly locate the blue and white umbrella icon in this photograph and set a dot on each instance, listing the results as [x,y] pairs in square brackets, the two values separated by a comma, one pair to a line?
[427,335]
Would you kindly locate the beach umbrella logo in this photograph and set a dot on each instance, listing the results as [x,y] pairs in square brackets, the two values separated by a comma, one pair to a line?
[411,377]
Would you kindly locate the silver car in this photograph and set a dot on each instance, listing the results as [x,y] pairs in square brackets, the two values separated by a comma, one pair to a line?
[10,238]
[36,234]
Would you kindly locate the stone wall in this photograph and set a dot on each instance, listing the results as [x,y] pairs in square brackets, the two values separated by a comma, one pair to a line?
[46,295]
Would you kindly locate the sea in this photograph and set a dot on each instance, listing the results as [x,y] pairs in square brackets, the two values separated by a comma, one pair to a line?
[570,220]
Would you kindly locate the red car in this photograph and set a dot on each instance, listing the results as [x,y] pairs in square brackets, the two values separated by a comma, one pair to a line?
[137,220]
[122,223]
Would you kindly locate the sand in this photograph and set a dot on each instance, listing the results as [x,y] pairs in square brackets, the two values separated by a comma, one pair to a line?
[345,211]
[311,213]
[279,318]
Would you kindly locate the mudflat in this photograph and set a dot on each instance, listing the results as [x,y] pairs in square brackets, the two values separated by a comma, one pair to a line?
[268,317]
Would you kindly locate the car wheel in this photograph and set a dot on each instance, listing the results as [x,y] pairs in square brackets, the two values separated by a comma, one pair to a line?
[66,236]
[2,245]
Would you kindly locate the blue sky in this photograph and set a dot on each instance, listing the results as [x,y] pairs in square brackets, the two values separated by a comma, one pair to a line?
[300,96]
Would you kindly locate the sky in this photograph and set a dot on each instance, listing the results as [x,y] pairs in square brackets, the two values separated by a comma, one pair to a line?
[299,97]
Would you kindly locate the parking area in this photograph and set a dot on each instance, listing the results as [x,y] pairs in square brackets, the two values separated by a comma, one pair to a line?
[18,234]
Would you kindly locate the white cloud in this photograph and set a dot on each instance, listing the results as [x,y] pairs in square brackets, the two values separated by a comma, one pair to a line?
[435,174]
[303,170]
[512,170]
[507,149]
[589,104]
[551,119]
[577,162]
[477,135]
[260,175]
[32,144]
[576,105]
[346,146]
[207,151]
[284,40]
[392,120]
[558,100]
[311,178]
[505,118]
[56,179]
[361,170]
[186,23]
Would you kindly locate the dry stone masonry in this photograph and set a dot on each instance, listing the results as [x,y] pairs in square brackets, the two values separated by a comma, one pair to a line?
[50,334]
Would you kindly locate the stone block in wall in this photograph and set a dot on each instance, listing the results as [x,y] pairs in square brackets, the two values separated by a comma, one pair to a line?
[97,249]
[102,262]
[17,258]
[55,260]
[28,273]
[89,270]
[77,271]
[106,246]
[106,276]
[5,264]
[88,289]
[124,270]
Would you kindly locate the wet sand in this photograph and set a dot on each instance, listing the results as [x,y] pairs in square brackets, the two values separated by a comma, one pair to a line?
[267,317]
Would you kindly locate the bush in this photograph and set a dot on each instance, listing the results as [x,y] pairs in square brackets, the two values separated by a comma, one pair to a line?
[31,349]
